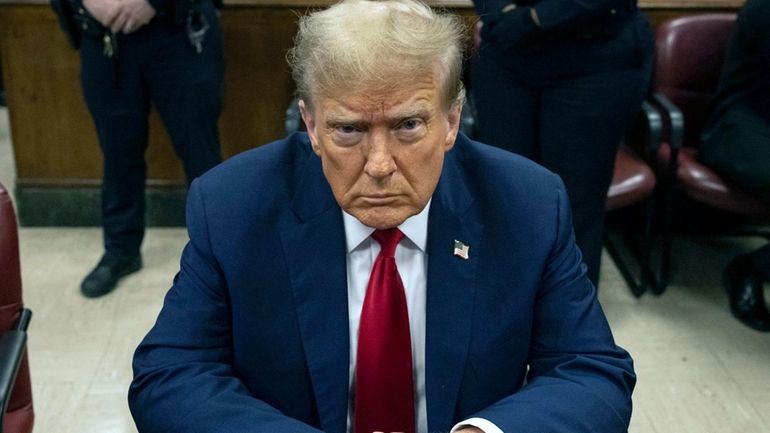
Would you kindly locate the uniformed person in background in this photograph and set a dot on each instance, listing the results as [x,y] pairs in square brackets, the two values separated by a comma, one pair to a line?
[134,53]
[557,81]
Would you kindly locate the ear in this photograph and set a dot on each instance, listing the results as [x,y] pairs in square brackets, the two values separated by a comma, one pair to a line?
[453,121]
[309,118]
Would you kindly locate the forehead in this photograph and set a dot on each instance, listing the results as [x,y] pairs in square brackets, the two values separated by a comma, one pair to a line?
[374,101]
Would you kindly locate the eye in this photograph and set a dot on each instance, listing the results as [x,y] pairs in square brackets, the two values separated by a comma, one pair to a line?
[411,124]
[346,134]
[411,129]
[346,129]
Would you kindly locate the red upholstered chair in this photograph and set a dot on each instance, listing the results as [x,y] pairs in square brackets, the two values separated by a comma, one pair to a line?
[16,414]
[633,180]
[690,54]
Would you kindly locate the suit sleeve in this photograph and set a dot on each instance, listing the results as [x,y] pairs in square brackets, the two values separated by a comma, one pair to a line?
[183,375]
[578,380]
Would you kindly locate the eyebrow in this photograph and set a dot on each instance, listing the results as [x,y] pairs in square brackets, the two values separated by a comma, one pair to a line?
[419,112]
[336,119]
[332,122]
[419,108]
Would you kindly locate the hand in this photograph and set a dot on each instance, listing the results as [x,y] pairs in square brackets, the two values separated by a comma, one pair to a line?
[133,14]
[104,11]
[517,28]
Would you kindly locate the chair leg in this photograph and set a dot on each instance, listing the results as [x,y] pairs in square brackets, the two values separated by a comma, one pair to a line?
[668,203]
[647,277]
[639,251]
[618,252]
[646,274]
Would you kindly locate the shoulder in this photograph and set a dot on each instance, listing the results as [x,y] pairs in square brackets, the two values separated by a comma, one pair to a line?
[256,184]
[276,155]
[486,167]
[267,167]
[507,192]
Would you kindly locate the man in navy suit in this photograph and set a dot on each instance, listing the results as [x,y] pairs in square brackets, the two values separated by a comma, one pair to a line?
[478,315]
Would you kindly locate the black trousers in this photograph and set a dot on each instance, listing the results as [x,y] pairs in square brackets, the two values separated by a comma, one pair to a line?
[155,65]
[571,123]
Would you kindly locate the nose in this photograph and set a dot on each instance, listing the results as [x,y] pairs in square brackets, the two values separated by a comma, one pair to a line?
[379,161]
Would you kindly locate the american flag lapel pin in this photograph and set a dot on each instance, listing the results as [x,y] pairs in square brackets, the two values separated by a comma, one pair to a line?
[461,249]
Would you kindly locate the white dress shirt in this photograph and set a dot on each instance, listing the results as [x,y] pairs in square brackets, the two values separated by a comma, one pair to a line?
[412,264]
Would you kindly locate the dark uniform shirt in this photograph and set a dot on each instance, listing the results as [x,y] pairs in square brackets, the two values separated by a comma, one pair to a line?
[746,72]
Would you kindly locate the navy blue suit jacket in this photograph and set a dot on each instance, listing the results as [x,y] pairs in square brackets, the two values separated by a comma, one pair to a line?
[253,334]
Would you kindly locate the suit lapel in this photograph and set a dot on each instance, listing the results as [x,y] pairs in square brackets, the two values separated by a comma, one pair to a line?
[450,293]
[315,250]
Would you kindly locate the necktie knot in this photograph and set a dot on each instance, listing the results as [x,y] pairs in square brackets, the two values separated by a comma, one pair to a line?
[388,239]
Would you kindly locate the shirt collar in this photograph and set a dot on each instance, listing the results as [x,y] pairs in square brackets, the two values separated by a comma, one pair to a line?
[415,228]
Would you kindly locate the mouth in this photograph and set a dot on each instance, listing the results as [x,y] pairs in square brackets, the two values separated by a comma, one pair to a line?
[379,199]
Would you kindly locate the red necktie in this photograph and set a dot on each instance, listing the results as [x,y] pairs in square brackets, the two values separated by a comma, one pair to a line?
[384,390]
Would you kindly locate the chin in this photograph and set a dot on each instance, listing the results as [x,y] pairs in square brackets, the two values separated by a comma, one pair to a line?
[381,219]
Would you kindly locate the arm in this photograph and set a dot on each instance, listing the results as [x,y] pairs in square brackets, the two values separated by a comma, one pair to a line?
[121,15]
[183,375]
[752,21]
[579,380]
[555,14]
[515,26]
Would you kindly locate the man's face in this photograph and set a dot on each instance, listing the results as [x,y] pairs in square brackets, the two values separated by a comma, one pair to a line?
[382,151]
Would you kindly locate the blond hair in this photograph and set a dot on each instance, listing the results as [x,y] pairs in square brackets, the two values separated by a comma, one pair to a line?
[377,45]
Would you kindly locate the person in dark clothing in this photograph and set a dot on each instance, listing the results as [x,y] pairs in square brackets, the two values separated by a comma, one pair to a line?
[557,81]
[736,144]
[134,53]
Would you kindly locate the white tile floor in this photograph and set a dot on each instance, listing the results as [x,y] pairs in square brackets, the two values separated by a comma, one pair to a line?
[699,370]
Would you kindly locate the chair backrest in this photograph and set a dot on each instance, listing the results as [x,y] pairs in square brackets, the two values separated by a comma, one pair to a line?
[690,53]
[10,283]
[19,417]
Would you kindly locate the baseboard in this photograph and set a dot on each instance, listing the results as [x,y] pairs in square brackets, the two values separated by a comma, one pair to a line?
[40,206]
